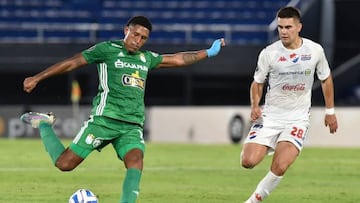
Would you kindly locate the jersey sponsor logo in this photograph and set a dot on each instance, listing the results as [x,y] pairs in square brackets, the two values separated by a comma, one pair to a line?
[294,73]
[305,57]
[121,64]
[295,88]
[308,72]
[133,80]
[294,57]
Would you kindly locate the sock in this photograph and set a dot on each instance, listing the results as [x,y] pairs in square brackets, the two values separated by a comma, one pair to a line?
[265,187]
[131,184]
[51,142]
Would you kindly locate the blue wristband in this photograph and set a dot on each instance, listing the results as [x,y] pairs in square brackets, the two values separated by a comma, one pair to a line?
[214,49]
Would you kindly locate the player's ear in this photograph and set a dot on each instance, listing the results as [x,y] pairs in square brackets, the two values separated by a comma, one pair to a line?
[299,26]
[126,30]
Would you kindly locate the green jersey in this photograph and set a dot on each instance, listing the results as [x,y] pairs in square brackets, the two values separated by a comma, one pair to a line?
[122,79]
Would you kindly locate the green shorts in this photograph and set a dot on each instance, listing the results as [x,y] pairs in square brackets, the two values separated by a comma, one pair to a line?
[99,131]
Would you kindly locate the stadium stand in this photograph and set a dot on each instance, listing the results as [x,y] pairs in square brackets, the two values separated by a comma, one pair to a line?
[175,21]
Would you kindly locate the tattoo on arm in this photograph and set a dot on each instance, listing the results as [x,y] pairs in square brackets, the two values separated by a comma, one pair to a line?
[190,58]
[78,62]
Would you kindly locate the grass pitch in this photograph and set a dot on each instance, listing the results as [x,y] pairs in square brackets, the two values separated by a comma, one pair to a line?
[178,173]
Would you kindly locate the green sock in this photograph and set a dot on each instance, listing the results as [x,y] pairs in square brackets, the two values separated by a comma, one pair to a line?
[131,184]
[52,143]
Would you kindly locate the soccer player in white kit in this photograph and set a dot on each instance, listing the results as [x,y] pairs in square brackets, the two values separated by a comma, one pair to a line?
[281,126]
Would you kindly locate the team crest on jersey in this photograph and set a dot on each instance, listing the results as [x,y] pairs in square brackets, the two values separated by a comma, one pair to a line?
[142,58]
[294,57]
[89,138]
[97,142]
[133,80]
[252,135]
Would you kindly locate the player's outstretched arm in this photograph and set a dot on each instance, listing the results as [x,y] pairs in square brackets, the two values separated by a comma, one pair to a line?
[190,57]
[61,67]
[328,91]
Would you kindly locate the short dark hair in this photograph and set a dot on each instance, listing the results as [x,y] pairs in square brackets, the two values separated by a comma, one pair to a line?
[140,20]
[289,12]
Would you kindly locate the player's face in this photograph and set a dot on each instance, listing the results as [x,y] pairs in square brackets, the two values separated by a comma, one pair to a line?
[135,37]
[289,29]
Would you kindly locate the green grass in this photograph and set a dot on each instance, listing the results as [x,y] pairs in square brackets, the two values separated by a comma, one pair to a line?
[178,173]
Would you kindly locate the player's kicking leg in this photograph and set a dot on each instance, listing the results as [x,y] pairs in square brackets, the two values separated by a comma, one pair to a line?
[34,118]
[44,122]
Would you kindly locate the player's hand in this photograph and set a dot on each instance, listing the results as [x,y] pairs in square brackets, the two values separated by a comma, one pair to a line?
[215,47]
[29,84]
[330,120]
[255,113]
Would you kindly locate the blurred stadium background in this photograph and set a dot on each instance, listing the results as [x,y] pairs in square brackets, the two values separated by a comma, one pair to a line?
[207,102]
[38,33]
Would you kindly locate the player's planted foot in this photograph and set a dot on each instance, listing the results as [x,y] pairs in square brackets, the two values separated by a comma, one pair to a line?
[34,118]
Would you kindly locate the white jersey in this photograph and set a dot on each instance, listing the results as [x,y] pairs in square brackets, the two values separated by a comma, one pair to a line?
[290,75]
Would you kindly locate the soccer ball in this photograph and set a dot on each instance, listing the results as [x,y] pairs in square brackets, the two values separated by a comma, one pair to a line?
[83,196]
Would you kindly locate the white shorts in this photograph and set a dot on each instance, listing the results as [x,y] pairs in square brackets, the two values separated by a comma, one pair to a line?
[269,132]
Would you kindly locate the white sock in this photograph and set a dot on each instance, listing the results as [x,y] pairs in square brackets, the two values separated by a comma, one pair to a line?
[265,187]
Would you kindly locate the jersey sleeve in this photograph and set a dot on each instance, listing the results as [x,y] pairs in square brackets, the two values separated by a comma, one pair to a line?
[156,59]
[94,54]
[262,67]
[322,68]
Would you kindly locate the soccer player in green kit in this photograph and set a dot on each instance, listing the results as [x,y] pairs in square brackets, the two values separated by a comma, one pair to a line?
[117,116]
